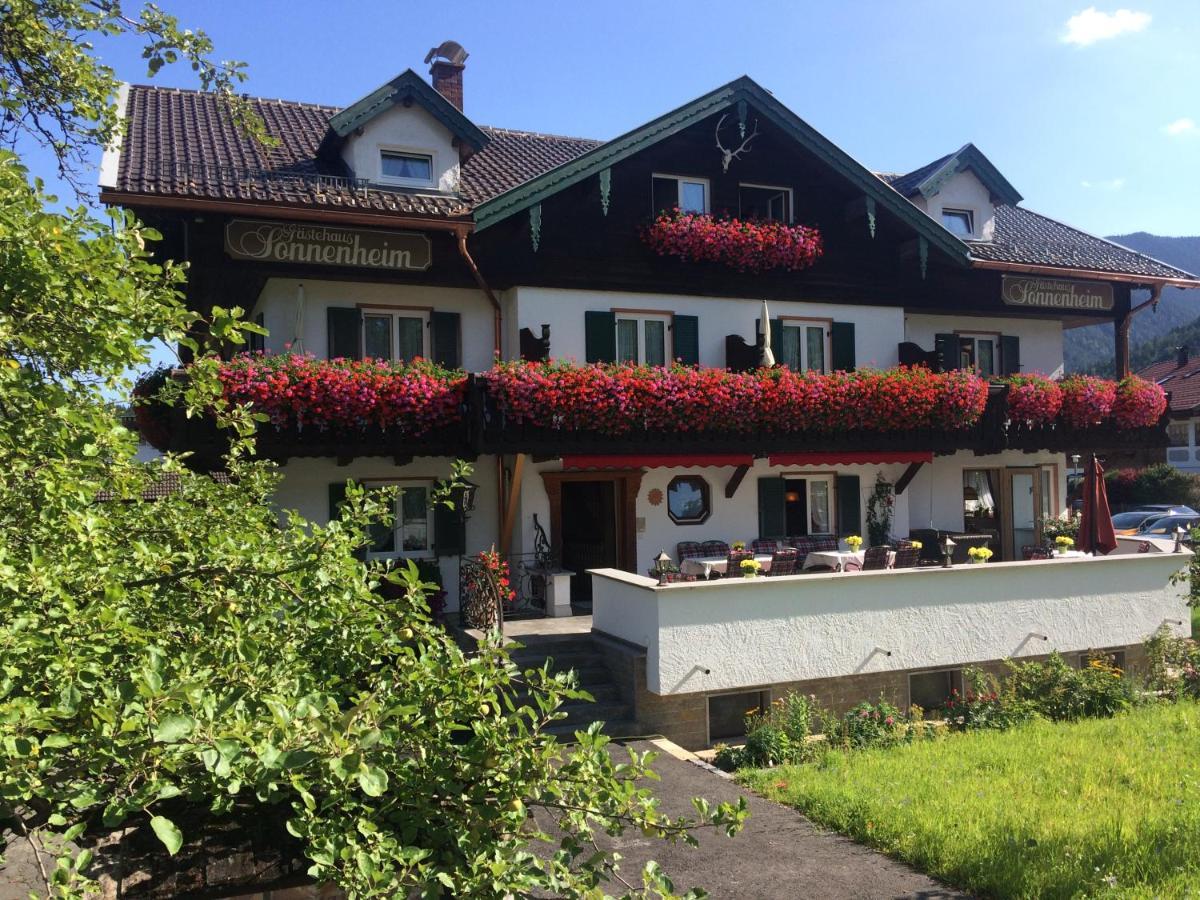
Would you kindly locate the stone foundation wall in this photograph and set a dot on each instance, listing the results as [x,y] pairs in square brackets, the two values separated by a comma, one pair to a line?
[683,718]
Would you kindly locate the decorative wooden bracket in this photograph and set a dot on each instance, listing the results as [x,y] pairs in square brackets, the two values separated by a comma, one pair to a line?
[856,209]
[735,481]
[605,188]
[909,474]
[535,226]
[871,216]
[923,253]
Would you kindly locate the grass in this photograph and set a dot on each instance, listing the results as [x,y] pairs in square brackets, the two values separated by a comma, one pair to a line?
[1102,807]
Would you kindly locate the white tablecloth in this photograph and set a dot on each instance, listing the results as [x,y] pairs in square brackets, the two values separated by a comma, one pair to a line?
[835,558]
[706,565]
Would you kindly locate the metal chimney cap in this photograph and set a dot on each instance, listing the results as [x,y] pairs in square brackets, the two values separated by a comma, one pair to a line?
[451,51]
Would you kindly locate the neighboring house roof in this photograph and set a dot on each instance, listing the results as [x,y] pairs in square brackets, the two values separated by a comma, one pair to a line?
[1182,382]
[183,144]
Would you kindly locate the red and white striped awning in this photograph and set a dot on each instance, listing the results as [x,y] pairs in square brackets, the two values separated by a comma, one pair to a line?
[656,461]
[850,457]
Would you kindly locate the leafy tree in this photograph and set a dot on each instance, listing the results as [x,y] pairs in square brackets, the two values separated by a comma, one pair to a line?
[198,655]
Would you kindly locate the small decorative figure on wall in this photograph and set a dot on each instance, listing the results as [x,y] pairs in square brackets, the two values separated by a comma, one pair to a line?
[655,496]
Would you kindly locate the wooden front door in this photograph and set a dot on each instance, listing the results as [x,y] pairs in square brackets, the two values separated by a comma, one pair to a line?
[1021,510]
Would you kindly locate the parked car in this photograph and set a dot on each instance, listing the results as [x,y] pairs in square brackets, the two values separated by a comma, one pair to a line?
[1166,509]
[1132,522]
[1165,526]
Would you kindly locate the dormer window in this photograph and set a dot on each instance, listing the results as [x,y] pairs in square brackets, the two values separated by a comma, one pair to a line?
[959,222]
[402,167]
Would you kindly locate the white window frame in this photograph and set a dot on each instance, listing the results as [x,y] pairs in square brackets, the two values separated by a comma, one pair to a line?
[642,317]
[398,551]
[395,314]
[1185,455]
[830,482]
[791,210]
[381,149]
[680,180]
[826,326]
[993,339]
[953,211]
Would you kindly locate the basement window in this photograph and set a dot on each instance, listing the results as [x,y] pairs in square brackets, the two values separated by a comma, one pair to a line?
[931,690]
[727,713]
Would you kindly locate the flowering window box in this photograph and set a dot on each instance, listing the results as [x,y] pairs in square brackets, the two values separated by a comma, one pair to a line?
[743,244]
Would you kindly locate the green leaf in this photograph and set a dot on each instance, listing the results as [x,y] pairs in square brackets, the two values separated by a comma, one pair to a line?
[373,781]
[168,833]
[174,727]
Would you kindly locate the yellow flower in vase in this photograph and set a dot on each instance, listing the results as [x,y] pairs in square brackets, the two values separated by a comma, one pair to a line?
[854,542]
[750,568]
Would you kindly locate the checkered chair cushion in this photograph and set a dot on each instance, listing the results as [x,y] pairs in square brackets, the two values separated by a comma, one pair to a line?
[825,542]
[783,562]
[714,548]
[733,564]
[688,550]
[764,545]
[906,558]
[805,545]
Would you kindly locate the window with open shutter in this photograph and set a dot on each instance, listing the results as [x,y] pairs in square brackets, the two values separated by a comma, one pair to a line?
[344,324]
[337,496]
[1010,354]
[446,339]
[600,336]
[685,339]
[450,527]
[842,347]
[772,521]
[849,504]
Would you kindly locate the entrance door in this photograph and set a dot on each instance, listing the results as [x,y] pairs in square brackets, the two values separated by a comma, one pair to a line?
[1022,510]
[589,534]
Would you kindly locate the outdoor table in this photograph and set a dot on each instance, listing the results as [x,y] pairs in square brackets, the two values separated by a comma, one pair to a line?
[1070,554]
[706,565]
[835,558]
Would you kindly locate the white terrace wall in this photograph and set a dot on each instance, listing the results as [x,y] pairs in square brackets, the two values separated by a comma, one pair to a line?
[738,633]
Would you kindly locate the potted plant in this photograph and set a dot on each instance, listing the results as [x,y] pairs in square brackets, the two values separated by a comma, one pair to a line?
[750,568]
[854,542]
[738,545]
[1062,544]
[978,555]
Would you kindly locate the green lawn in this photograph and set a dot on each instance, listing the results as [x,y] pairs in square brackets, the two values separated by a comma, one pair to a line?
[1104,807]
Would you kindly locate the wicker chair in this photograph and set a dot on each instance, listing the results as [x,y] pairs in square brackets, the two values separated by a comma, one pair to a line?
[783,562]
[714,548]
[906,558]
[1034,551]
[733,562]
[764,545]
[824,542]
[688,550]
[876,558]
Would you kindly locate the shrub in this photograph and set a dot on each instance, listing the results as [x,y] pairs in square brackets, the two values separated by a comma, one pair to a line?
[779,734]
[1060,526]
[1159,483]
[867,725]
[987,703]
[1173,665]
[1063,693]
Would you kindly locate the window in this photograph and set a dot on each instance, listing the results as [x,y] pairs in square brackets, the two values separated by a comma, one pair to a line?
[758,201]
[1179,443]
[642,339]
[930,690]
[677,191]
[980,492]
[979,353]
[406,168]
[808,505]
[1048,510]
[688,500]
[959,222]
[411,532]
[800,347]
[727,713]
[398,336]
[1114,658]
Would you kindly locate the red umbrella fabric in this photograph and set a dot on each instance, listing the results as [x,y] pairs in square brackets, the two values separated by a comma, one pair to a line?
[1096,533]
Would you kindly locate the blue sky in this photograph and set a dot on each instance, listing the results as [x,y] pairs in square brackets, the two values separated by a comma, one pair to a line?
[1091,112]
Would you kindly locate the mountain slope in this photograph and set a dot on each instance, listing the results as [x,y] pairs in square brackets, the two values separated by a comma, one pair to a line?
[1153,334]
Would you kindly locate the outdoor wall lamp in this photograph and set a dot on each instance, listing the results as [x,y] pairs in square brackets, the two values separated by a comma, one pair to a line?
[1180,534]
[947,549]
[469,491]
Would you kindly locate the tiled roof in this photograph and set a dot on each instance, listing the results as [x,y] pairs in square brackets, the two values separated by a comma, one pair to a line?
[1181,382]
[1028,238]
[182,143]
[907,183]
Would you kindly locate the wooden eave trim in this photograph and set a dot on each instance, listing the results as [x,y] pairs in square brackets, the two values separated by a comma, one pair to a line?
[269,211]
[1088,274]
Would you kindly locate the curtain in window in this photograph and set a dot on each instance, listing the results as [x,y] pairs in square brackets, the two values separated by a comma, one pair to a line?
[980,481]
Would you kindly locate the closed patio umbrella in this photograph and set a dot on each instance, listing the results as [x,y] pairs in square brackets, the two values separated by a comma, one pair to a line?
[1095,525]
[766,357]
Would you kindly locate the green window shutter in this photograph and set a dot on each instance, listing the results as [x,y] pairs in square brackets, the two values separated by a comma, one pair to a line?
[849,504]
[345,331]
[337,496]
[685,339]
[1010,354]
[450,528]
[944,345]
[445,339]
[776,338]
[772,521]
[599,336]
[842,350]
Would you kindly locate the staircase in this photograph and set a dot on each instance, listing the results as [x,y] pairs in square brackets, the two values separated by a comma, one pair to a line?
[579,652]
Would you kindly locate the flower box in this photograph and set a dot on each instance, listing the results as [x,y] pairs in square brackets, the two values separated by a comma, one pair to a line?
[743,244]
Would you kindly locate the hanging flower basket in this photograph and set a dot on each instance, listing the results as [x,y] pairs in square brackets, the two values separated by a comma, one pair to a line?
[1033,399]
[742,244]
[1087,400]
[1139,403]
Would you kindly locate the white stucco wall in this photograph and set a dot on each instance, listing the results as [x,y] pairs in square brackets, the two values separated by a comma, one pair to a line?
[775,630]
[406,129]
[877,334]
[279,302]
[305,489]
[963,191]
[1041,339]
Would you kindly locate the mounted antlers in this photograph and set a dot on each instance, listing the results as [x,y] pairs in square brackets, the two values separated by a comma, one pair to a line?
[727,155]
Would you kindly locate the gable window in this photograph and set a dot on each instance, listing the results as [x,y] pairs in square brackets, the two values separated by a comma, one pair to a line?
[979,353]
[959,222]
[406,168]
[411,533]
[801,346]
[642,338]
[396,337]
[689,195]
[768,204]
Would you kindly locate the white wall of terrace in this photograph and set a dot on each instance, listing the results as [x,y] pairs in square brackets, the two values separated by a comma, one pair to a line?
[739,633]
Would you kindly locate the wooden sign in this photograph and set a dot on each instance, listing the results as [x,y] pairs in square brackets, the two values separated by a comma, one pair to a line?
[1056,293]
[325,245]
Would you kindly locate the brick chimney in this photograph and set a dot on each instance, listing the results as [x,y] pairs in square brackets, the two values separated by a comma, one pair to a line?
[446,71]
[1181,357]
